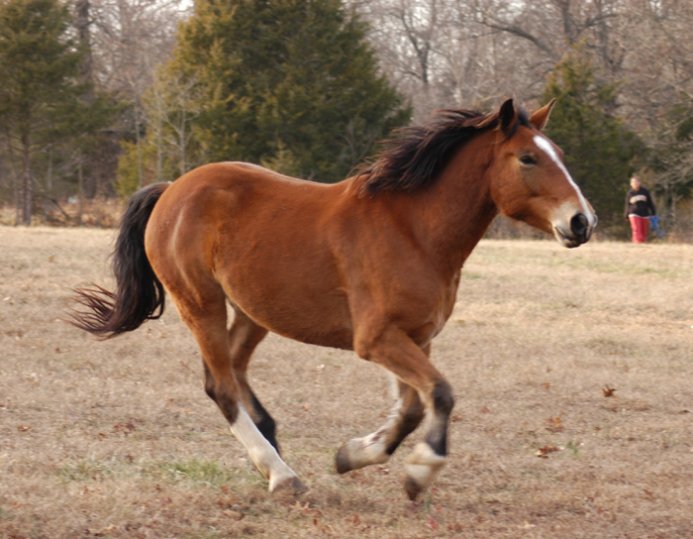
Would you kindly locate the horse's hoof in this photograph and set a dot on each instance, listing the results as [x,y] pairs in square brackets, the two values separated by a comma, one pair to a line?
[342,462]
[422,466]
[360,452]
[291,485]
[412,488]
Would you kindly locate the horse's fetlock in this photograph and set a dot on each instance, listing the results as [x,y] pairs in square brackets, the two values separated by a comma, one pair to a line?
[443,399]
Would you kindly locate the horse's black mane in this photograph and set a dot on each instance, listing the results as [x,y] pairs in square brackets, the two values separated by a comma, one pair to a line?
[415,155]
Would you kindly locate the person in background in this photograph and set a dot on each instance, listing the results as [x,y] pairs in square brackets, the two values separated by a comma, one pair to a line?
[639,207]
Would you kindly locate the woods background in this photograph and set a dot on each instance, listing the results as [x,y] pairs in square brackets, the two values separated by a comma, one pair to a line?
[99,97]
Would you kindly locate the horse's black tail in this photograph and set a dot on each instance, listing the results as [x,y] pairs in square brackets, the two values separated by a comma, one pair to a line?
[139,294]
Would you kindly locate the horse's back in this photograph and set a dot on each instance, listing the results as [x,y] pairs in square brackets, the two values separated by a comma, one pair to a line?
[249,187]
[232,196]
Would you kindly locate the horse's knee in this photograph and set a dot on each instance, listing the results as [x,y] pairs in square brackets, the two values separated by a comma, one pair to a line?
[367,340]
[363,347]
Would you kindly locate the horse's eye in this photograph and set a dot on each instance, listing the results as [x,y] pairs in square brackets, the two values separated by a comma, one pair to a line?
[528,159]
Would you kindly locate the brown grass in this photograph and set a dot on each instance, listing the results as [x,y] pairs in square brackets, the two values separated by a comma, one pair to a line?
[117,439]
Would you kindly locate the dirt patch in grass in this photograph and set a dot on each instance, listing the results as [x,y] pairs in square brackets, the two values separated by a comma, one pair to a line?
[572,372]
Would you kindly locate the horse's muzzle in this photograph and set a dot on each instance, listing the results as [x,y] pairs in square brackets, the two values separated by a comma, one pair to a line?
[580,227]
[578,232]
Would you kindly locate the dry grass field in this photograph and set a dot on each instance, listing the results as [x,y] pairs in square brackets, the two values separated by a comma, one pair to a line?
[572,369]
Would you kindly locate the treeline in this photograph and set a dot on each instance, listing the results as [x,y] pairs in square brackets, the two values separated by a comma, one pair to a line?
[99,97]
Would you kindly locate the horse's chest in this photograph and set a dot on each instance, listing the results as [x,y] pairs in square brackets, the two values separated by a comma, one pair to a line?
[447,304]
[428,310]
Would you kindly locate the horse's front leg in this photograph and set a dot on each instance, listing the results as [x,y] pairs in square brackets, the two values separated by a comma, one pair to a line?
[397,352]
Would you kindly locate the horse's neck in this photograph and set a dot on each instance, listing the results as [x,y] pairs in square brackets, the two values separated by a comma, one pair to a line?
[457,209]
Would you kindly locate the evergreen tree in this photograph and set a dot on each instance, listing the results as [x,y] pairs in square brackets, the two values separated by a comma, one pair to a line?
[42,100]
[671,160]
[600,151]
[292,84]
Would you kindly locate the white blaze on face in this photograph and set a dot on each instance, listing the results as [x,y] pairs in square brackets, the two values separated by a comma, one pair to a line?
[543,144]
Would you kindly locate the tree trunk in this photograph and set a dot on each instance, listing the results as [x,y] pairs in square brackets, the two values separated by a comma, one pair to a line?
[16,181]
[83,12]
[138,148]
[80,189]
[27,187]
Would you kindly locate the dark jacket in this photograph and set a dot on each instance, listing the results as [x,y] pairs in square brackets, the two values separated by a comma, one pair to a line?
[639,203]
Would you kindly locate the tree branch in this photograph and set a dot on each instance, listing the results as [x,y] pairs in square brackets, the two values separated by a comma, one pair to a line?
[519,32]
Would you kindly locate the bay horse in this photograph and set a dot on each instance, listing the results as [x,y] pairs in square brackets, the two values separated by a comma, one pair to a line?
[370,264]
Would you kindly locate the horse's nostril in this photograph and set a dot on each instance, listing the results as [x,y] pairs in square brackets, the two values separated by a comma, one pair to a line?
[579,225]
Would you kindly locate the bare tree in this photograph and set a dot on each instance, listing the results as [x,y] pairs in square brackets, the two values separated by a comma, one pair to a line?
[130,39]
[444,53]
[172,103]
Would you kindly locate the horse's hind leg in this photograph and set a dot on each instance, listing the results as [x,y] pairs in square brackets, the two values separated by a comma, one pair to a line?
[206,317]
[378,446]
[244,336]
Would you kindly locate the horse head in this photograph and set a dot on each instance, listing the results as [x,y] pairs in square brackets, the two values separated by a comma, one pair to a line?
[530,182]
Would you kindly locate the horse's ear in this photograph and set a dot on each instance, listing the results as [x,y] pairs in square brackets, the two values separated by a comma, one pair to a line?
[540,117]
[507,116]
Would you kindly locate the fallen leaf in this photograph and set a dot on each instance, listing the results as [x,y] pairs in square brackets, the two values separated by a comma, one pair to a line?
[649,495]
[543,452]
[23,428]
[124,428]
[555,424]
[455,527]
[108,530]
[608,391]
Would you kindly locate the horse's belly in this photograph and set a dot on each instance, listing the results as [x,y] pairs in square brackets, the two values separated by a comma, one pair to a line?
[321,319]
